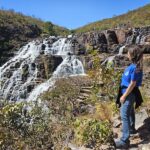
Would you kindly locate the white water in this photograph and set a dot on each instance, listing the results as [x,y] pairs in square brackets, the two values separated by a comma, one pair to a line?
[110,61]
[121,49]
[138,38]
[142,41]
[13,87]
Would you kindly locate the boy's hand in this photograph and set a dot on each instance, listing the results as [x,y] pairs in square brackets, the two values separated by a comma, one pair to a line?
[122,99]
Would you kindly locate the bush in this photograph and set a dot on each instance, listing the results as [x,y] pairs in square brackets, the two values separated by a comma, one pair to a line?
[92,132]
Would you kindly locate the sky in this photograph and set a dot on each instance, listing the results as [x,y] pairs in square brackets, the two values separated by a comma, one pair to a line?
[72,13]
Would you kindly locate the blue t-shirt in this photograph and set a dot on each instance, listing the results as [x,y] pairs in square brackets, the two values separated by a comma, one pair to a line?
[131,73]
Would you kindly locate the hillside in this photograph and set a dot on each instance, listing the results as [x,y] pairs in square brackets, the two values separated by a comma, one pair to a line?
[136,18]
[16,29]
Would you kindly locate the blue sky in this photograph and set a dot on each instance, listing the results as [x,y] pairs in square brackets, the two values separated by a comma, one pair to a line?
[72,13]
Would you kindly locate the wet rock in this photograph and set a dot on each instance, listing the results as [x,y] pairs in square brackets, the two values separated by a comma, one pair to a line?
[30,88]
[23,94]
[8,74]
[55,61]
[46,65]
[43,46]
[25,72]
[33,66]
[17,65]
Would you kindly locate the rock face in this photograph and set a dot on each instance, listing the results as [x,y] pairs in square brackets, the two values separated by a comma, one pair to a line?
[111,37]
[47,65]
[78,49]
[122,35]
[112,40]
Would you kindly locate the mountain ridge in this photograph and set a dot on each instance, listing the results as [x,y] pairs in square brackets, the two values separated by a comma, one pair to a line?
[135,18]
[17,29]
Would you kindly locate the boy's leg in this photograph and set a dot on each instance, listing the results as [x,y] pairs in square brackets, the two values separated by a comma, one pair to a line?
[125,116]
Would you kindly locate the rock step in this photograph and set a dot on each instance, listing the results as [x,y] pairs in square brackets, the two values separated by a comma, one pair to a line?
[87,87]
[81,97]
[79,100]
[85,91]
[85,95]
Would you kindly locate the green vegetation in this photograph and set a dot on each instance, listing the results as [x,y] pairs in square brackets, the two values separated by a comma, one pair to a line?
[136,18]
[108,76]
[59,119]
[17,29]
[15,20]
[92,132]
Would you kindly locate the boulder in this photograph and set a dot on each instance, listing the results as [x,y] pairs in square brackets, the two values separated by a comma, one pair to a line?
[140,117]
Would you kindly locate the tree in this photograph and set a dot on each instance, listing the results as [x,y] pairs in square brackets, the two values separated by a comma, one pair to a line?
[48,28]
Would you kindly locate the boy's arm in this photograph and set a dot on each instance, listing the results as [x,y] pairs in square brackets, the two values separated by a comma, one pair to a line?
[128,91]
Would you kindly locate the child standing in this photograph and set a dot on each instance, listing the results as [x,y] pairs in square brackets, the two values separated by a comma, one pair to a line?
[131,80]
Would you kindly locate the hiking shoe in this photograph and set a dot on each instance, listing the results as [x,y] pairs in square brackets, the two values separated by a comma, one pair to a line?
[122,145]
[133,131]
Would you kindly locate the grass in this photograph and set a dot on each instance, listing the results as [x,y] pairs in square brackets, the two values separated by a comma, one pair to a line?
[136,18]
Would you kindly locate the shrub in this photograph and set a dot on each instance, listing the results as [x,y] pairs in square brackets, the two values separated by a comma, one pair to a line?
[92,132]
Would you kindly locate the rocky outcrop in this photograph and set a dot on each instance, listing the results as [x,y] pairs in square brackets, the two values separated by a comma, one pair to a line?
[122,35]
[77,48]
[111,37]
[46,65]
[112,40]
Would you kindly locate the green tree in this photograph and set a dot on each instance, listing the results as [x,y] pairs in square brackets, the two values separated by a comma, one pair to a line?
[49,28]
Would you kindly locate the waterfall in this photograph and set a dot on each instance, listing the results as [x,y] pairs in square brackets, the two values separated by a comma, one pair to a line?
[14,86]
[138,38]
[142,41]
[121,50]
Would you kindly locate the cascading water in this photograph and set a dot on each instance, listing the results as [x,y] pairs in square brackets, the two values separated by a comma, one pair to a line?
[14,81]
[121,49]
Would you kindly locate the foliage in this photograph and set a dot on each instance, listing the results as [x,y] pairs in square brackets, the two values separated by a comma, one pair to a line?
[18,20]
[39,125]
[108,76]
[135,18]
[48,28]
[30,128]
[61,99]
[111,78]
[16,29]
[92,132]
[51,124]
